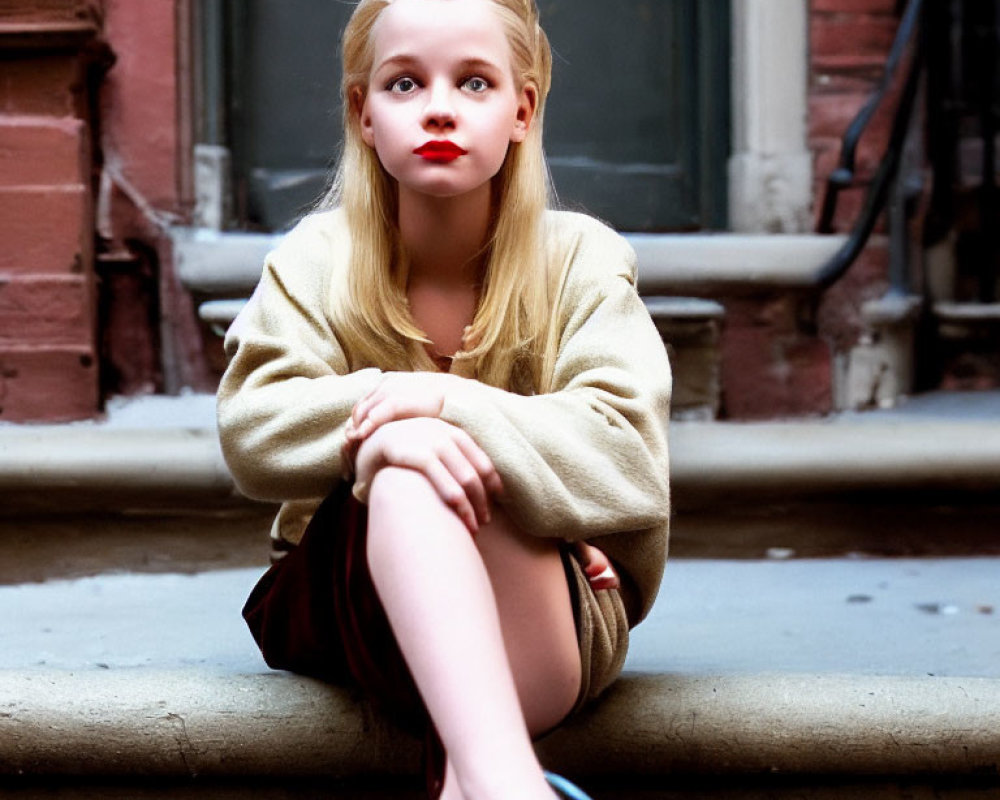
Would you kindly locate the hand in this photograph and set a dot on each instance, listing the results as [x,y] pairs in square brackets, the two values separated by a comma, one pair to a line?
[461,473]
[597,567]
[400,395]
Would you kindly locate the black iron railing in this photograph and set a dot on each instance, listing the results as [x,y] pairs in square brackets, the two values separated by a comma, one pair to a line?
[905,63]
[948,50]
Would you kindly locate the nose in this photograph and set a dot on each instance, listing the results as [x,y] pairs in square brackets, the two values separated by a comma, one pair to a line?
[439,112]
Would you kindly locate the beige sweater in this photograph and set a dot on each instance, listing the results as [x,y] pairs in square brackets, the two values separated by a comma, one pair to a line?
[586,461]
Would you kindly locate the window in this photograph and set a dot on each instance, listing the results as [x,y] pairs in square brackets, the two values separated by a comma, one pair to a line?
[637,126]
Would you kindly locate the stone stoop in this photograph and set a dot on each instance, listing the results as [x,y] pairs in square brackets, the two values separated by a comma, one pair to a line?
[750,679]
[157,449]
[781,678]
[661,736]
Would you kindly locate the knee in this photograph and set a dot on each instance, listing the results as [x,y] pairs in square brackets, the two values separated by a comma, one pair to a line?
[396,488]
[392,483]
[403,505]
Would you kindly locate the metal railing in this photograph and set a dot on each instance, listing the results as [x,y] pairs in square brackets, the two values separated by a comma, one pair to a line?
[906,55]
[947,54]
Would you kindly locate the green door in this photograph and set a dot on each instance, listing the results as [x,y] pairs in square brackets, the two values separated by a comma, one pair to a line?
[637,129]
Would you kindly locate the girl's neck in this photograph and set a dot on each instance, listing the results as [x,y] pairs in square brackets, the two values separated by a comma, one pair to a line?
[444,237]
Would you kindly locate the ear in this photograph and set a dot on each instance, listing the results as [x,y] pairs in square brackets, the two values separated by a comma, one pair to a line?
[526,105]
[359,107]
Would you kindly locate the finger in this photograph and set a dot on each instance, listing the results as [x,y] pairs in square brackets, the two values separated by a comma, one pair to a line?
[466,475]
[451,493]
[606,580]
[364,405]
[482,463]
[429,463]
[378,414]
[389,407]
[350,431]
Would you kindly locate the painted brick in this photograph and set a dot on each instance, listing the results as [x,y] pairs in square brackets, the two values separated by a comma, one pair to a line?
[830,114]
[856,82]
[141,100]
[859,37]
[770,368]
[45,230]
[827,157]
[42,85]
[887,7]
[42,151]
[129,352]
[39,12]
[839,313]
[46,311]
[55,384]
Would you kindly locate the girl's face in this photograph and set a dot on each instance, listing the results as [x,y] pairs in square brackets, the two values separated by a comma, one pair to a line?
[442,106]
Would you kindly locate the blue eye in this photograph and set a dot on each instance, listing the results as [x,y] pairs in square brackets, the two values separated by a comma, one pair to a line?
[402,85]
[476,84]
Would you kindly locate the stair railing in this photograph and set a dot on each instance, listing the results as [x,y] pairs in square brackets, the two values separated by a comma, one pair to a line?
[909,39]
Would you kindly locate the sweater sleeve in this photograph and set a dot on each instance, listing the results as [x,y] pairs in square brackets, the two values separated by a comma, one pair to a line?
[286,396]
[588,458]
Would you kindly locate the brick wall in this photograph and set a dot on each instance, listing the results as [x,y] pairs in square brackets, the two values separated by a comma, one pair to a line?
[849,43]
[780,351]
[48,360]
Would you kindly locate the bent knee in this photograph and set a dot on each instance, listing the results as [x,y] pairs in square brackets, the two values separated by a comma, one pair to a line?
[403,501]
[399,488]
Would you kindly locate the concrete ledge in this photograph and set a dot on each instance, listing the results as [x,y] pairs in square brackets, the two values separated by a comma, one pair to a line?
[94,458]
[729,262]
[833,456]
[223,263]
[792,724]
[168,446]
[214,262]
[189,723]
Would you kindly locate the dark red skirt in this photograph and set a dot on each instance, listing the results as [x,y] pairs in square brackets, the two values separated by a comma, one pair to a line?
[316,612]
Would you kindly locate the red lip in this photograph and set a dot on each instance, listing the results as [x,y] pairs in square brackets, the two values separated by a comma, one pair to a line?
[440,151]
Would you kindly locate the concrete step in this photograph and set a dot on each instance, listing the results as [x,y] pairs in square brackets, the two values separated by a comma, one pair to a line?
[751,678]
[163,451]
[772,676]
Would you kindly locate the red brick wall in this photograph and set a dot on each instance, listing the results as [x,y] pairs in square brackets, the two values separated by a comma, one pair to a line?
[849,44]
[780,350]
[146,121]
[48,360]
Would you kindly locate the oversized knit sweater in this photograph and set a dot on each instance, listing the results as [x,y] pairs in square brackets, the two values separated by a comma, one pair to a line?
[584,461]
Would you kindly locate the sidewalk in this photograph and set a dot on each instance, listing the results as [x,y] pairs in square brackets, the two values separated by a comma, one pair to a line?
[915,617]
[813,667]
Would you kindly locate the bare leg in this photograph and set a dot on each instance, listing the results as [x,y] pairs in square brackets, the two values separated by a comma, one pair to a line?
[456,631]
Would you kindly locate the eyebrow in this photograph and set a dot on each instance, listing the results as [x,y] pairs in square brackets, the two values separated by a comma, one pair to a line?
[405,60]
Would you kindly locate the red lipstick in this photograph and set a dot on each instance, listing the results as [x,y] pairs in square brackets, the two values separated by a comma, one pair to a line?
[440,152]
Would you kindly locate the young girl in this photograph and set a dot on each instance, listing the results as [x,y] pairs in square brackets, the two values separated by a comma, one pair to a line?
[473,384]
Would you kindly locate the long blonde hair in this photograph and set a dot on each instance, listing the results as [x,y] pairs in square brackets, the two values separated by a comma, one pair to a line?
[507,334]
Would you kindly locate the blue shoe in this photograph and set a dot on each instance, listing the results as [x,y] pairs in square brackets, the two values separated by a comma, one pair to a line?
[565,788]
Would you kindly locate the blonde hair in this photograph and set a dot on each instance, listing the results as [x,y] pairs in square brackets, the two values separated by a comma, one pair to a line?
[507,334]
